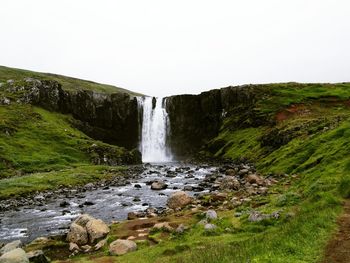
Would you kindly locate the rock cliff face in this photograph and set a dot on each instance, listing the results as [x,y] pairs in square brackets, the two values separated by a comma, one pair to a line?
[112,118]
[194,119]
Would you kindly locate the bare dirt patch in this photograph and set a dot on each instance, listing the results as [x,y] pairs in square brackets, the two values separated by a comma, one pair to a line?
[338,249]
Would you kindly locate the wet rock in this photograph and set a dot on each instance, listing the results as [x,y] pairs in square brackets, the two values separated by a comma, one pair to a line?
[198,189]
[211,215]
[137,186]
[164,226]
[88,203]
[229,183]
[158,185]
[178,200]
[96,229]
[37,256]
[39,198]
[188,188]
[121,247]
[11,246]
[17,255]
[77,234]
[136,199]
[64,204]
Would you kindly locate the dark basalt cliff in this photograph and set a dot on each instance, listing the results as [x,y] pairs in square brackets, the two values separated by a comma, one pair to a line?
[111,118]
[114,118]
[195,119]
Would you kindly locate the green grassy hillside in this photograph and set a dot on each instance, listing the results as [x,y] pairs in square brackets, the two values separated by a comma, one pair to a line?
[68,83]
[307,136]
[35,143]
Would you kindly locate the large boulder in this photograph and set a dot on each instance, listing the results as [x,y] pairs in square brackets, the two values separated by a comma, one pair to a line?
[179,200]
[83,219]
[96,229]
[11,246]
[17,255]
[121,247]
[77,234]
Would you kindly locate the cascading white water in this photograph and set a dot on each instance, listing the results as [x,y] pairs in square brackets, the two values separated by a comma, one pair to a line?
[154,130]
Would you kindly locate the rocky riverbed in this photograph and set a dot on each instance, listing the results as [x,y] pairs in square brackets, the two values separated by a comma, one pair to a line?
[142,188]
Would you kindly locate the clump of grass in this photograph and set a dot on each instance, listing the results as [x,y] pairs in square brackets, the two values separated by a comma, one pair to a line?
[344,187]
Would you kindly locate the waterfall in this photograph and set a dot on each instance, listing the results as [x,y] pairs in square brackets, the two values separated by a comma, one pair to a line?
[154,129]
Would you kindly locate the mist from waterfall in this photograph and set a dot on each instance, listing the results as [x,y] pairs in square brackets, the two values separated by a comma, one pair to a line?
[154,130]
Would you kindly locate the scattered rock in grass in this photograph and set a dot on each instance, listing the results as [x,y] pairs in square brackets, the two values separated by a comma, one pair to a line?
[179,200]
[164,225]
[121,247]
[180,229]
[257,216]
[211,215]
[210,227]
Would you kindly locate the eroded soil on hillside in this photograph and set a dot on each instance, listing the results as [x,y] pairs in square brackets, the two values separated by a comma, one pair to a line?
[338,249]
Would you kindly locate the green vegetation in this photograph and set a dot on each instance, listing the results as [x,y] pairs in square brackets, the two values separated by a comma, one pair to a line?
[307,135]
[35,140]
[68,83]
[31,183]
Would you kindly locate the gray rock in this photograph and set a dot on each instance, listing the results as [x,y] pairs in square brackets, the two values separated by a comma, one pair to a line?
[11,246]
[121,247]
[210,227]
[211,215]
[180,229]
[17,255]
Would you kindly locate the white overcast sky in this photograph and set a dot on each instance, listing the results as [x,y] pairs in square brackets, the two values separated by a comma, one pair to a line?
[162,47]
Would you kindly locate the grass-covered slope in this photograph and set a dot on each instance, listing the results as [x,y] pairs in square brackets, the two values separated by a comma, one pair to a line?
[42,150]
[68,83]
[306,135]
